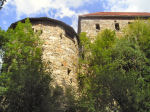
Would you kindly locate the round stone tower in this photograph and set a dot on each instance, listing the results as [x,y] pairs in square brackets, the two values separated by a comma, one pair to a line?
[60,48]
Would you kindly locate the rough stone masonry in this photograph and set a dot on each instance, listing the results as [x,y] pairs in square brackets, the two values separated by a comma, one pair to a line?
[94,23]
[60,49]
[60,46]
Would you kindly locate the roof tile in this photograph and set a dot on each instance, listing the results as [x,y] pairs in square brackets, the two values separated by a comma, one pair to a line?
[118,14]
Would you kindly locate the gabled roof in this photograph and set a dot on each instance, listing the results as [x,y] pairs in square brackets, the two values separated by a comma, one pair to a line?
[136,14]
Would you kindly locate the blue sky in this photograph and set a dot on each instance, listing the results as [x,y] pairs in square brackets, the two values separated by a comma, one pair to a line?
[65,10]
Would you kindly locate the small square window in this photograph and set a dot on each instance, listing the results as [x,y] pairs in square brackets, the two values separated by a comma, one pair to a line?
[61,36]
[68,70]
[33,29]
[97,26]
[117,26]
[129,22]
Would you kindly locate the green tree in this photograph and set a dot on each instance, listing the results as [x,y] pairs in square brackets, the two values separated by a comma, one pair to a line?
[116,74]
[96,55]
[139,33]
[25,83]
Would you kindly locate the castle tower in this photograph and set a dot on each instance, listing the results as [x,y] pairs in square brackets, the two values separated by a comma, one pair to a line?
[60,48]
[93,23]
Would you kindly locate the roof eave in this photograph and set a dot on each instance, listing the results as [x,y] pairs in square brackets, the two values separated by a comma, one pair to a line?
[114,16]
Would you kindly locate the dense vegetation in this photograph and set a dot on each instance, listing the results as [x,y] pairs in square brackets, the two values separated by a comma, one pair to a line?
[24,82]
[114,72]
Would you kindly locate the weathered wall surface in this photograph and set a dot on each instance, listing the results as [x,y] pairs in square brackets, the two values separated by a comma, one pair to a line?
[89,25]
[61,51]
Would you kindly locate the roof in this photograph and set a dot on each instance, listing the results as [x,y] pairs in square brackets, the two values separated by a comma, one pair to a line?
[137,14]
[68,29]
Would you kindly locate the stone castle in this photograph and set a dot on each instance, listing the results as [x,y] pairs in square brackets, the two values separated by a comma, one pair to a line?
[61,42]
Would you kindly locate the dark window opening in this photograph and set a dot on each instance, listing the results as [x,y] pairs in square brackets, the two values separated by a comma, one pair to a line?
[117,26]
[33,29]
[68,71]
[61,35]
[129,22]
[38,31]
[97,26]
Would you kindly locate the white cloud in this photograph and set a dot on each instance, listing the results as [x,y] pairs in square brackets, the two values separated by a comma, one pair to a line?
[62,7]
[52,8]
[127,5]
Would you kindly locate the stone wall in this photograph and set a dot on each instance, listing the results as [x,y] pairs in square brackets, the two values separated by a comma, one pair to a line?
[61,51]
[89,25]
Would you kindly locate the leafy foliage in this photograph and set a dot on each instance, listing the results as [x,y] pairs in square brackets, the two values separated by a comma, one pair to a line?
[116,71]
[113,76]
[24,79]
